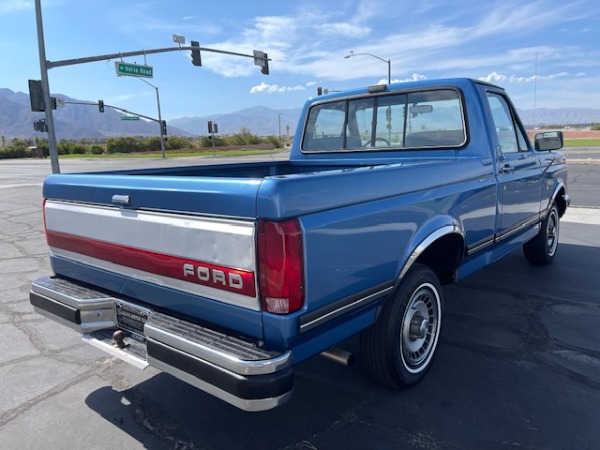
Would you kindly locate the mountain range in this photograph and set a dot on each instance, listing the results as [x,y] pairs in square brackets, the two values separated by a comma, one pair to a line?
[81,119]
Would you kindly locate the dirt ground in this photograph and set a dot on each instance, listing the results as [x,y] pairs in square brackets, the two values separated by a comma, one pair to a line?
[570,133]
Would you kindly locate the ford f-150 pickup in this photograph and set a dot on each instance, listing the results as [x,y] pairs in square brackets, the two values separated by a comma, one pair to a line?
[228,276]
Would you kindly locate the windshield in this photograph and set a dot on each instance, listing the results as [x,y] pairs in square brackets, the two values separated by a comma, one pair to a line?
[396,121]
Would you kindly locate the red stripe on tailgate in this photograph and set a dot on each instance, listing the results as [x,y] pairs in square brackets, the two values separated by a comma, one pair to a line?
[199,272]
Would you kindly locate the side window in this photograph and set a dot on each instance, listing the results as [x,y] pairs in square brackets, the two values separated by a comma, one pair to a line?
[325,127]
[360,123]
[523,140]
[510,136]
[434,119]
[390,121]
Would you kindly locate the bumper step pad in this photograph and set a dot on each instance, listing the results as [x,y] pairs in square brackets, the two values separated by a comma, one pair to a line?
[228,367]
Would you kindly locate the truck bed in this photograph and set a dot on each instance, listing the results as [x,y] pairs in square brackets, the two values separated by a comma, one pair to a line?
[220,190]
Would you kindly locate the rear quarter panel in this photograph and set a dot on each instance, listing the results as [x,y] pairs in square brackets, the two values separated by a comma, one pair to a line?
[353,247]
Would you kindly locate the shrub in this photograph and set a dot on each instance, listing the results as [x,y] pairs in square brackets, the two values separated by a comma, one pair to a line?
[219,141]
[152,144]
[274,140]
[178,142]
[123,145]
[78,149]
[97,149]
[243,137]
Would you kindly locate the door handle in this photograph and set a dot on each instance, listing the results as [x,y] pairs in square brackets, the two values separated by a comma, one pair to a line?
[507,168]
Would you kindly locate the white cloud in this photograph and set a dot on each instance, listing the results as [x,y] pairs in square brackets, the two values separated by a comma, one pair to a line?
[496,77]
[297,40]
[274,88]
[311,43]
[8,6]
[414,77]
[343,30]
[524,18]
[312,83]
[145,17]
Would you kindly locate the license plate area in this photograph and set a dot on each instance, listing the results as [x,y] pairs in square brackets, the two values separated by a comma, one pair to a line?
[131,319]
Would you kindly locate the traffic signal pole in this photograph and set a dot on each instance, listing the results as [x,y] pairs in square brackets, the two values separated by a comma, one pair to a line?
[260,59]
[52,149]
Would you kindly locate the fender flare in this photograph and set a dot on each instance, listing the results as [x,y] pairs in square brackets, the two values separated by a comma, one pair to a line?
[559,185]
[451,228]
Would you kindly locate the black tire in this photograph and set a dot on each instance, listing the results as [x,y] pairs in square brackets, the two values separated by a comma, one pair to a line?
[541,250]
[399,348]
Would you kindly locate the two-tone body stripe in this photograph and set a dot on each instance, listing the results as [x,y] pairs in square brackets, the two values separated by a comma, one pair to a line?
[193,271]
[209,257]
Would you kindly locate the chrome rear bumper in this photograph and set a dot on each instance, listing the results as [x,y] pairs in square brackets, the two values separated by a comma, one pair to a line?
[232,369]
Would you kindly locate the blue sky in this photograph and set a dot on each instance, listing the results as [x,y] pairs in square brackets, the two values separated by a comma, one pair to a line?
[498,41]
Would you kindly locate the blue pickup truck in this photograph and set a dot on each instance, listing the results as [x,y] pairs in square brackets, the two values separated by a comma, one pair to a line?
[228,276]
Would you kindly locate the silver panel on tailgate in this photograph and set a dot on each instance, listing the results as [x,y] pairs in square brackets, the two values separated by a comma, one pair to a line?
[205,256]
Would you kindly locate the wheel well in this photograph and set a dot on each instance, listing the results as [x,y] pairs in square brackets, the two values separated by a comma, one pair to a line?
[561,202]
[443,256]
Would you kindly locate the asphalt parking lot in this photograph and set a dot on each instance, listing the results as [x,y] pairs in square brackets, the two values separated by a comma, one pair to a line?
[518,365]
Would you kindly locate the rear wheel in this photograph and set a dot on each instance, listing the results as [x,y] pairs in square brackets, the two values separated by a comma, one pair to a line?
[399,348]
[541,249]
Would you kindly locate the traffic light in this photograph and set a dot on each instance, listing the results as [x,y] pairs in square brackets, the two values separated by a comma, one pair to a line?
[36,95]
[196,60]
[261,59]
[101,106]
[215,128]
[40,125]
[210,126]
[319,91]
[163,127]
[53,101]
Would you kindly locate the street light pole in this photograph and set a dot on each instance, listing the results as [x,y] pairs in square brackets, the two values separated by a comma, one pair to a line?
[160,127]
[387,61]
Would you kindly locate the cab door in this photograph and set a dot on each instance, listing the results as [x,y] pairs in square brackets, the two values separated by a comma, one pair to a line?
[518,171]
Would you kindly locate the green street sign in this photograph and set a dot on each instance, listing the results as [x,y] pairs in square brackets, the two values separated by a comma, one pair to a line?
[130,117]
[133,70]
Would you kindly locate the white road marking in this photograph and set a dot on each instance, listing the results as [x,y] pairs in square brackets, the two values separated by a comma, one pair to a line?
[10,186]
[587,216]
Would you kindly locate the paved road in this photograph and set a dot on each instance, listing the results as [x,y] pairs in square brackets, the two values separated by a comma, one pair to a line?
[518,366]
[584,176]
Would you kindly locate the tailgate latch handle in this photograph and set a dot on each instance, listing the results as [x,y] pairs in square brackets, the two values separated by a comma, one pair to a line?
[123,200]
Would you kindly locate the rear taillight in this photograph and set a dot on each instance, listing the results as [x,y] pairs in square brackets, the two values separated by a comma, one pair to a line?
[281,266]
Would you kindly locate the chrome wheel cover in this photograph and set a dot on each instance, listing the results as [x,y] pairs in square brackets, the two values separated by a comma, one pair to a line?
[420,328]
[552,228]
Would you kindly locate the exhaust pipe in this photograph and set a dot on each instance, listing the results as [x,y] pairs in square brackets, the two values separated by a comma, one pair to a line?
[339,356]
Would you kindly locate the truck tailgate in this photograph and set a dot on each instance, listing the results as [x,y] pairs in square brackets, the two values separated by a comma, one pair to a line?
[214,196]
[182,263]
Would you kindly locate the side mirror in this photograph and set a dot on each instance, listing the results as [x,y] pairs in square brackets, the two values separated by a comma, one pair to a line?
[551,140]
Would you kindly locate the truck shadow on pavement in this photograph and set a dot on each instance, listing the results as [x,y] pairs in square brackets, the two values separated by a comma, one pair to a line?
[518,365]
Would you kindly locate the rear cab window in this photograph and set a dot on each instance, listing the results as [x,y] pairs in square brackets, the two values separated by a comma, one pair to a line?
[423,119]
